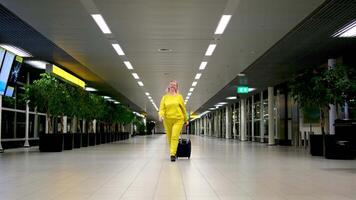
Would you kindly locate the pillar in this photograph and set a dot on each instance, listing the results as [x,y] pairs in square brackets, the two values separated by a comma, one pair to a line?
[253,118]
[35,126]
[243,120]
[27,125]
[332,110]
[83,127]
[65,122]
[1,149]
[228,122]
[94,126]
[262,124]
[271,140]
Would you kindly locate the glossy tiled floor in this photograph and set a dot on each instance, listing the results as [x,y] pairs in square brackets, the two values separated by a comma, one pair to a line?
[139,169]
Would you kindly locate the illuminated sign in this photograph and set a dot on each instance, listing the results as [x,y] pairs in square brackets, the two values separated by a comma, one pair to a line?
[67,76]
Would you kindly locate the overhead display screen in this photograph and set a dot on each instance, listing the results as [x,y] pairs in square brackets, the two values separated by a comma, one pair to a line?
[5,70]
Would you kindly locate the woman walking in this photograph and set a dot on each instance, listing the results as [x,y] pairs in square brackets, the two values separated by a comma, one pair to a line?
[173,114]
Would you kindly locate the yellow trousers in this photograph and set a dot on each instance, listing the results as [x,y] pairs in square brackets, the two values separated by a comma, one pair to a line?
[173,129]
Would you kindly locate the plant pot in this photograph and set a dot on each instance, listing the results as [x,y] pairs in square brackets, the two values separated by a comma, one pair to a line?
[97,138]
[92,139]
[85,139]
[337,149]
[316,145]
[77,140]
[103,138]
[68,140]
[51,142]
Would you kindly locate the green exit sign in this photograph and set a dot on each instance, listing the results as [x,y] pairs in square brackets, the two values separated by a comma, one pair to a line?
[242,90]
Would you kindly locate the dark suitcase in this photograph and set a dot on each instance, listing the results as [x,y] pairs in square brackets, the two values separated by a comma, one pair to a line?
[184,148]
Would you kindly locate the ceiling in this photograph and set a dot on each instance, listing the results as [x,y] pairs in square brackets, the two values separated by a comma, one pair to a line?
[142,27]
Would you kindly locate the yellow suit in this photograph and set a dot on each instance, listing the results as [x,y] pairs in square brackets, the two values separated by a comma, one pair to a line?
[173,112]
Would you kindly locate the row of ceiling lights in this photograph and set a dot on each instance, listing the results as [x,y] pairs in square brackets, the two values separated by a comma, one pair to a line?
[209,52]
[106,30]
[39,64]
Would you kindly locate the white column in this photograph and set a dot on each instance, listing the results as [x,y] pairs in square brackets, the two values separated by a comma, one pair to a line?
[1,149]
[210,127]
[205,125]
[243,120]
[233,121]
[262,130]
[83,126]
[27,126]
[46,128]
[35,126]
[94,125]
[65,124]
[253,118]
[332,110]
[270,117]
[346,111]
[227,122]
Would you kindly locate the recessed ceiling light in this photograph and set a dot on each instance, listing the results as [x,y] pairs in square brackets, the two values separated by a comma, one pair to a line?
[212,108]
[140,83]
[37,64]
[198,76]
[16,50]
[189,94]
[347,31]
[210,50]
[222,103]
[191,89]
[90,89]
[118,49]
[149,97]
[135,76]
[106,97]
[116,102]
[203,65]
[164,50]
[194,83]
[231,98]
[224,20]
[146,93]
[128,65]
[101,23]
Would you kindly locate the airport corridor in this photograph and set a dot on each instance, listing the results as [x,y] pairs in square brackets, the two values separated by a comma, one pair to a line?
[139,168]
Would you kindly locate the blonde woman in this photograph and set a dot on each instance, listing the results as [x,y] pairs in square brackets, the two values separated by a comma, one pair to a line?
[173,114]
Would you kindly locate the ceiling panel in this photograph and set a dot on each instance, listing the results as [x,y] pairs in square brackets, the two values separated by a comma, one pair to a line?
[142,27]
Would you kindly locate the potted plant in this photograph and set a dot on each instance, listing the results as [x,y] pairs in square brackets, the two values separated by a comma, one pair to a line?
[321,87]
[48,94]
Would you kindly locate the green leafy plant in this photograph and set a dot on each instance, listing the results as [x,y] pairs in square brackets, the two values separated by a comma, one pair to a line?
[321,87]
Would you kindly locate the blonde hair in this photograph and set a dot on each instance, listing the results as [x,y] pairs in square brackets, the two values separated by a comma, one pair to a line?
[168,88]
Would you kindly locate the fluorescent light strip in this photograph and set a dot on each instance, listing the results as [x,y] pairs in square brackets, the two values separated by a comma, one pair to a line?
[90,89]
[107,97]
[224,21]
[347,31]
[16,50]
[231,98]
[203,65]
[194,83]
[198,76]
[189,94]
[118,49]
[128,65]
[191,89]
[146,93]
[135,76]
[140,83]
[101,23]
[37,64]
[210,50]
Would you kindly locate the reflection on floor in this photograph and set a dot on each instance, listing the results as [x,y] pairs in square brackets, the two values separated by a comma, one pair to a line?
[139,168]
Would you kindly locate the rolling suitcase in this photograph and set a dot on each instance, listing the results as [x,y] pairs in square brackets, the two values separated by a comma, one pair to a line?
[184,147]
